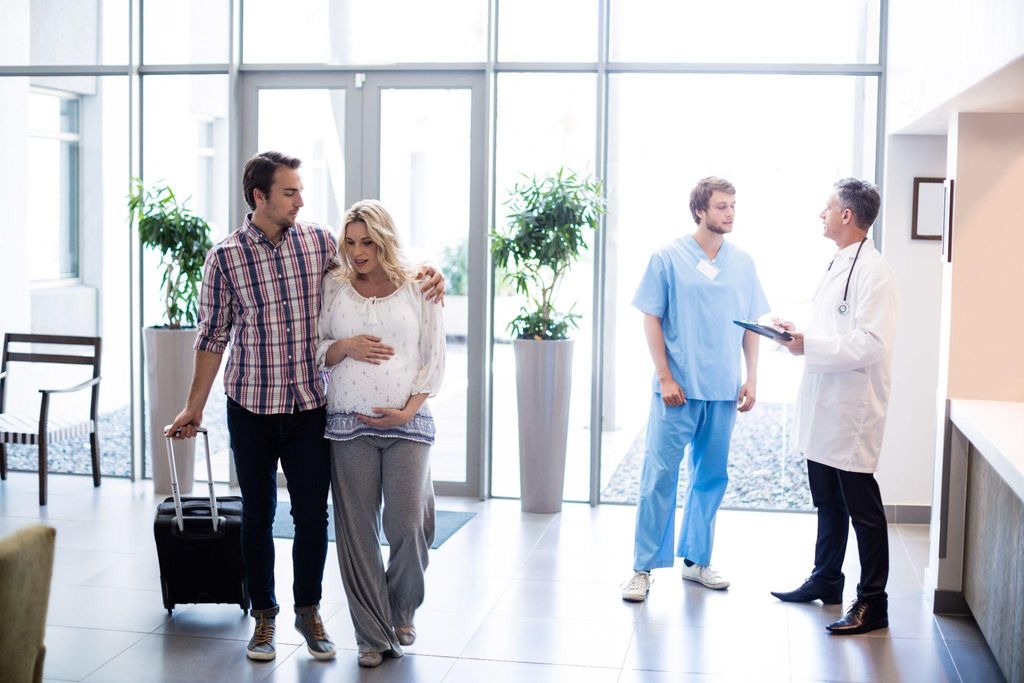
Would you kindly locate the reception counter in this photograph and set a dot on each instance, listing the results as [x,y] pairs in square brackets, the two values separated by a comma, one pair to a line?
[977,532]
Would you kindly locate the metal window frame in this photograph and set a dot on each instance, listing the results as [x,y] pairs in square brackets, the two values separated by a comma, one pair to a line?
[480,262]
[362,133]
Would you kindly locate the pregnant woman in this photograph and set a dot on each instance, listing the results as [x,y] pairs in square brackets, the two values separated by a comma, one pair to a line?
[382,341]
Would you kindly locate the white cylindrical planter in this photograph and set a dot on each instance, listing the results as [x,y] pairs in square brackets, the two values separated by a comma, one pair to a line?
[169,359]
[543,383]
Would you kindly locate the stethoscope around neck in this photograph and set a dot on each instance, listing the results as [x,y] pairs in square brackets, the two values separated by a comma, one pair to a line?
[844,307]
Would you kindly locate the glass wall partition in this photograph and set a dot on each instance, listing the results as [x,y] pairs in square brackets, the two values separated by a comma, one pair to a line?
[64,32]
[745,31]
[568,32]
[415,141]
[667,131]
[186,31]
[367,32]
[538,140]
[185,140]
[425,165]
[64,184]
[648,95]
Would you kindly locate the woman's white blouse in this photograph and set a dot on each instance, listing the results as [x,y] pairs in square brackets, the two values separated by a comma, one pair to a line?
[404,320]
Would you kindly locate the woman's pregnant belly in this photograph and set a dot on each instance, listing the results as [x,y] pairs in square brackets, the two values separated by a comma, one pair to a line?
[358,387]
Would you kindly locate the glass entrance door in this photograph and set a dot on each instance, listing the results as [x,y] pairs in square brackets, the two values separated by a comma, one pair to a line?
[416,142]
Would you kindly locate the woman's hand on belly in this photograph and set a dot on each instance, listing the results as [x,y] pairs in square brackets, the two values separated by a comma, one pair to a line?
[387,417]
[367,348]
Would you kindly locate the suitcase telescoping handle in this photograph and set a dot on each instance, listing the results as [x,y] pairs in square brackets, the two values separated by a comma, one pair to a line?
[179,516]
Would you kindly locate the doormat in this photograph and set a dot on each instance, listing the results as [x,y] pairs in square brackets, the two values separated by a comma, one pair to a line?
[446,523]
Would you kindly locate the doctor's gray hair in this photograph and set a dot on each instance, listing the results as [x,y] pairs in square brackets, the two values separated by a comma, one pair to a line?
[700,195]
[860,197]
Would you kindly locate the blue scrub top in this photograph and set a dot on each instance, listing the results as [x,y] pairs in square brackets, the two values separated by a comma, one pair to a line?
[703,344]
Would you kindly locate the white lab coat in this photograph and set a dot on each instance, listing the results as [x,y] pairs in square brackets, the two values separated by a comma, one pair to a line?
[844,392]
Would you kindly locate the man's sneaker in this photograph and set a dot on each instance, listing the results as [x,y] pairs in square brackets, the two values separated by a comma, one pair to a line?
[636,589]
[309,624]
[706,575]
[261,645]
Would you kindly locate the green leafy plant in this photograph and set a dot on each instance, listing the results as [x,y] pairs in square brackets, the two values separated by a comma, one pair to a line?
[455,266]
[182,239]
[546,232]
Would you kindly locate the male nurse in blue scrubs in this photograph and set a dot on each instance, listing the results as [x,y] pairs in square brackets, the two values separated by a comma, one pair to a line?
[691,292]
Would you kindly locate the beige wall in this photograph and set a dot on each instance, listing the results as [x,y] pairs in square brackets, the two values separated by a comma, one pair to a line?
[986,280]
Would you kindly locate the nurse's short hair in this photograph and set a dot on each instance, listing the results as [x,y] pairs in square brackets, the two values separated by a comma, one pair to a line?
[860,197]
[700,195]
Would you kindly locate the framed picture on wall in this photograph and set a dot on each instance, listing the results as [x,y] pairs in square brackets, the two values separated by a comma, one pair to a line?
[927,216]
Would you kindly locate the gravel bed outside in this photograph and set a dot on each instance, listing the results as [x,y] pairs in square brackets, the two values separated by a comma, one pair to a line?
[761,474]
[72,456]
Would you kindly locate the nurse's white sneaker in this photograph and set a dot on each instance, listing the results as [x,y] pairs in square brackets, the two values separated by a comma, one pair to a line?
[706,575]
[636,588]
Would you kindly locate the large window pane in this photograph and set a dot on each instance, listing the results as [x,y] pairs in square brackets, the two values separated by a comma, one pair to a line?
[53,181]
[185,31]
[63,32]
[668,131]
[309,124]
[185,146]
[364,31]
[534,139]
[38,117]
[802,31]
[425,183]
[540,31]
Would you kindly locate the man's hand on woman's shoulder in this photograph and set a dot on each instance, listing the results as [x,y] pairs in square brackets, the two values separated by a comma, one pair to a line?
[432,283]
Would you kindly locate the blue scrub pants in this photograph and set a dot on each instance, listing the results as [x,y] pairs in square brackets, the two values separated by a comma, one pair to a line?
[706,426]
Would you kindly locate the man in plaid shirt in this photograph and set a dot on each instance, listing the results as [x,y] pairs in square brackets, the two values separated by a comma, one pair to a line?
[261,293]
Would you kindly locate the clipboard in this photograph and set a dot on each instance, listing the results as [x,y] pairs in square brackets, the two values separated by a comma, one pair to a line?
[764,330]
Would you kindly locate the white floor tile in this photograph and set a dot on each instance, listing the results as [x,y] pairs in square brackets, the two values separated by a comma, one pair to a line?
[510,597]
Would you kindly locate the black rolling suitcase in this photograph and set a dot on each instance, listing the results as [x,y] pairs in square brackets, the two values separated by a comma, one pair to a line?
[198,542]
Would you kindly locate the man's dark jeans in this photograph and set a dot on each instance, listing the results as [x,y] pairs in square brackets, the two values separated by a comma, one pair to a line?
[297,440]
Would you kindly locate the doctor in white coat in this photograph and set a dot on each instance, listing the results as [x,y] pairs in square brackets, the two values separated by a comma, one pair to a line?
[840,415]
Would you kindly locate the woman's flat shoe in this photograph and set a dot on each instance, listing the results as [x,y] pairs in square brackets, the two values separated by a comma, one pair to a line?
[370,659]
[406,634]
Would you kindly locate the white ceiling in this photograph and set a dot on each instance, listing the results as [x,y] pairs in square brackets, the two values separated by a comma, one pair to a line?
[1001,92]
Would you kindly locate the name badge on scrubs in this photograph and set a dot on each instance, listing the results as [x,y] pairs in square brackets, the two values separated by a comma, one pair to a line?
[707,269]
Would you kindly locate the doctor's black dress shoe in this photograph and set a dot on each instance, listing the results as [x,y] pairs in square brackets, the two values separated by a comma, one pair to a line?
[863,616]
[812,590]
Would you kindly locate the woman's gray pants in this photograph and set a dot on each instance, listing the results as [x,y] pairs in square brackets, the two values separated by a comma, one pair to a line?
[362,472]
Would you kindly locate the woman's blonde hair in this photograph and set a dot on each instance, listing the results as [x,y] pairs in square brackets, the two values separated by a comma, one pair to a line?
[381,229]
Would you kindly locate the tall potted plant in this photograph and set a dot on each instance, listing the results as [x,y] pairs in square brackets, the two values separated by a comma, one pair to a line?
[182,239]
[547,229]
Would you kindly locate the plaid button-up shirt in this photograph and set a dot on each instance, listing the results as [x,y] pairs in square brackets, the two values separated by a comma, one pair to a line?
[265,299]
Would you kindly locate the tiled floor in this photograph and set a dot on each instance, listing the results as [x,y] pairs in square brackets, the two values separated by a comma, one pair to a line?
[510,597]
